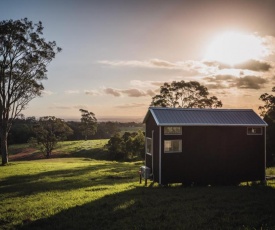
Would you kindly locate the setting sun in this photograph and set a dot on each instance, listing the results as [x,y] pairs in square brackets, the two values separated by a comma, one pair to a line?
[233,47]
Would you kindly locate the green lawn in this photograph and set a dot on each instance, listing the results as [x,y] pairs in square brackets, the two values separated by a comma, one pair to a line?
[83,192]
[94,149]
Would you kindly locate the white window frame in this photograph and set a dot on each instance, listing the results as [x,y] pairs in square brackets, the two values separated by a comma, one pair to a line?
[148,138]
[253,134]
[173,151]
[167,133]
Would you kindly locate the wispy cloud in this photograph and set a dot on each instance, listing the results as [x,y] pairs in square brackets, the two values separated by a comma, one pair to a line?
[195,67]
[129,92]
[131,105]
[60,107]
[146,84]
[91,92]
[47,92]
[72,91]
[112,91]
[153,63]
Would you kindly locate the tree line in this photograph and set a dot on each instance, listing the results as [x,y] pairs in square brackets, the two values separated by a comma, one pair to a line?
[22,130]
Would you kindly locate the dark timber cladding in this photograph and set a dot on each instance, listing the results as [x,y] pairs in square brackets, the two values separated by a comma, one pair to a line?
[205,145]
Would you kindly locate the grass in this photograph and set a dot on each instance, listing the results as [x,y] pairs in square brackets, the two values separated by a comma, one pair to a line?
[89,149]
[88,193]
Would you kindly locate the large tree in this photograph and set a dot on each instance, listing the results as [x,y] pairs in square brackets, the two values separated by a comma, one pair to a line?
[268,114]
[185,95]
[24,56]
[88,123]
[49,131]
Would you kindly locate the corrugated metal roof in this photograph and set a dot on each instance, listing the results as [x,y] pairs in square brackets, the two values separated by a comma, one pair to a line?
[205,117]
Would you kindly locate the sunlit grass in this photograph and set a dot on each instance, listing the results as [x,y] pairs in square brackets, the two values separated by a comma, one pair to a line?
[89,193]
[40,189]
[89,149]
[270,171]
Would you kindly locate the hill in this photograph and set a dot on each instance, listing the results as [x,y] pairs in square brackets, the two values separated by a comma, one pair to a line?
[82,191]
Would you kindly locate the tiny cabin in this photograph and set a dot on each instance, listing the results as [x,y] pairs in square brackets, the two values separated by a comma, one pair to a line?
[205,146]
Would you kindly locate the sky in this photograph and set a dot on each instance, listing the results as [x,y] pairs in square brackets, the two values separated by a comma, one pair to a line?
[117,53]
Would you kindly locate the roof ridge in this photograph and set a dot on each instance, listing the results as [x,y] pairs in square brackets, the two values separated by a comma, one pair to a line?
[197,116]
[200,109]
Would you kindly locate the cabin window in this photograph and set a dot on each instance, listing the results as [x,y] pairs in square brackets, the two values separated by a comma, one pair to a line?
[149,145]
[172,130]
[254,131]
[172,146]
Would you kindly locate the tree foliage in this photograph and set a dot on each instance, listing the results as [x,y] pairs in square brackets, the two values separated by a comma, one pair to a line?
[21,130]
[88,123]
[24,56]
[127,146]
[268,114]
[49,131]
[268,109]
[185,95]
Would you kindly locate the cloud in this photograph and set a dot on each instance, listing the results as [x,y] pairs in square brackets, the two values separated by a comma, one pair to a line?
[129,92]
[60,107]
[134,92]
[150,92]
[162,63]
[91,92]
[254,65]
[219,81]
[152,63]
[146,84]
[228,81]
[216,64]
[113,92]
[219,78]
[47,92]
[269,42]
[250,82]
[155,63]
[72,91]
[132,105]
[191,66]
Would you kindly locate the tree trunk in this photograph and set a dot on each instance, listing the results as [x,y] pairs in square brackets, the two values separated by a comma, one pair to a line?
[4,148]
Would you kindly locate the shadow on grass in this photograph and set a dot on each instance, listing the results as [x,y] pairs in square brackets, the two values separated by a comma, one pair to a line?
[104,173]
[170,208]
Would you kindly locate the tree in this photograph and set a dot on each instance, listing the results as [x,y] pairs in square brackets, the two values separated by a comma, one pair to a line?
[49,131]
[24,56]
[21,130]
[127,146]
[88,123]
[116,147]
[135,144]
[268,114]
[185,95]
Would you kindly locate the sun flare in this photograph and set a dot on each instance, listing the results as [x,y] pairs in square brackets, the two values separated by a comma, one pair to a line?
[234,47]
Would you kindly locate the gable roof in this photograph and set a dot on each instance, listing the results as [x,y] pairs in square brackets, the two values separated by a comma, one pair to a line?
[204,117]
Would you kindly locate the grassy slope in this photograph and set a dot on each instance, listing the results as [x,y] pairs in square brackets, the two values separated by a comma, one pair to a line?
[87,193]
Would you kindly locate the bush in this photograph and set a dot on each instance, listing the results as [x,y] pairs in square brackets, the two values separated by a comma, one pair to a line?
[126,147]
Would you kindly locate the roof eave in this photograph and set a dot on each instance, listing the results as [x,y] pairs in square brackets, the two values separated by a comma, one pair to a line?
[214,124]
